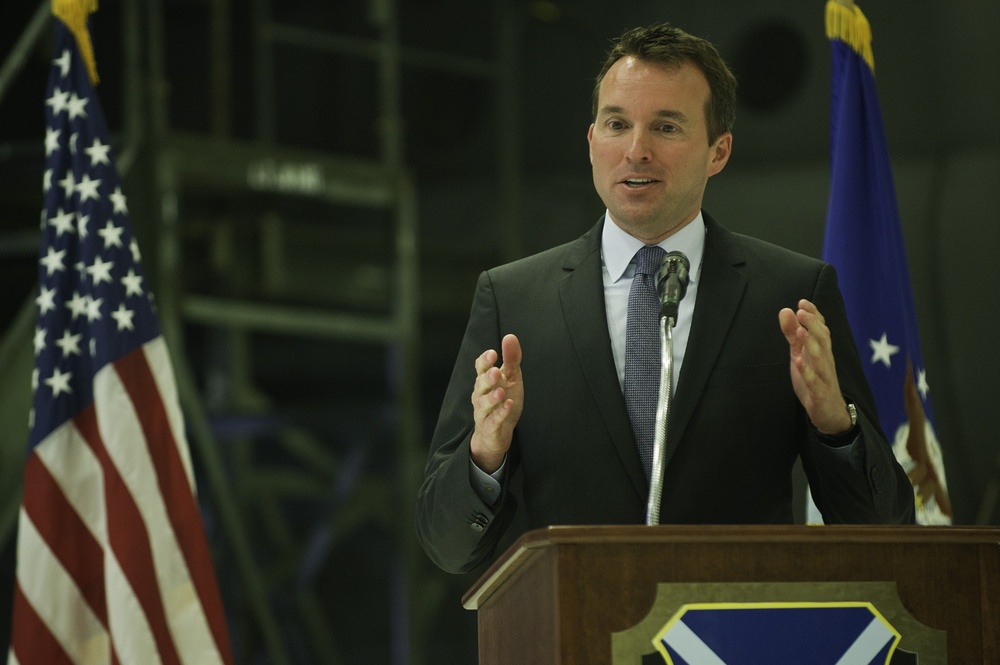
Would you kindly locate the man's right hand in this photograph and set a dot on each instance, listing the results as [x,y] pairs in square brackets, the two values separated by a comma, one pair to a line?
[497,402]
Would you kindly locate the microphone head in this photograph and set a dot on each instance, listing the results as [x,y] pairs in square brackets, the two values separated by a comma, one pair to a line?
[671,283]
[673,263]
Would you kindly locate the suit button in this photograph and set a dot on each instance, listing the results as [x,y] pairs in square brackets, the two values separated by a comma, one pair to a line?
[876,477]
[479,523]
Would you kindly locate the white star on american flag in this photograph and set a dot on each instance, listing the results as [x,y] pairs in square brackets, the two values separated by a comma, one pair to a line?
[46,300]
[124,317]
[69,343]
[98,152]
[62,221]
[100,270]
[63,61]
[39,340]
[118,199]
[87,188]
[77,106]
[51,140]
[58,101]
[59,382]
[68,184]
[77,305]
[53,260]
[112,235]
[94,309]
[132,283]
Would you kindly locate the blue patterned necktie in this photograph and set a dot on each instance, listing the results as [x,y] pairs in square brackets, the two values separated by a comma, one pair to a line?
[642,352]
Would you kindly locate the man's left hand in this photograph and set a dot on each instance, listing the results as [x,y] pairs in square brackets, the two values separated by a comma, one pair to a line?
[814,372]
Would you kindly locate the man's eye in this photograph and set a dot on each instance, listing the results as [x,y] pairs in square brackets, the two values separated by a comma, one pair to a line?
[668,129]
[616,125]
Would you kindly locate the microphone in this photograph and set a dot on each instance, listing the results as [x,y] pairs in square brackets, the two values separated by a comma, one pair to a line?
[671,283]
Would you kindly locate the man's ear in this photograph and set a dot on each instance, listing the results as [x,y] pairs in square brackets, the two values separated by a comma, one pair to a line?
[720,153]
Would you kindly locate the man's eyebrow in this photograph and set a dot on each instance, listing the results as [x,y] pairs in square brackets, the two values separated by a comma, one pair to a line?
[672,115]
[663,113]
[611,109]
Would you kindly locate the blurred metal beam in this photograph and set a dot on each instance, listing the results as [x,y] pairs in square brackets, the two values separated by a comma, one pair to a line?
[15,342]
[32,33]
[243,165]
[221,67]
[309,322]
[373,49]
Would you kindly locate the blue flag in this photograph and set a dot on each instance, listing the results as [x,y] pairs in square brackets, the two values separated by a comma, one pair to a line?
[864,240]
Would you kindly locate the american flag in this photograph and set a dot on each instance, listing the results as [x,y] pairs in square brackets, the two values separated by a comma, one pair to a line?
[112,561]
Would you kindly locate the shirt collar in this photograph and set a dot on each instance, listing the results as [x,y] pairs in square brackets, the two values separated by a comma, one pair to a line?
[618,248]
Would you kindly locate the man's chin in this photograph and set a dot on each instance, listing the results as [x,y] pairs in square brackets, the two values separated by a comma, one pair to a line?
[646,226]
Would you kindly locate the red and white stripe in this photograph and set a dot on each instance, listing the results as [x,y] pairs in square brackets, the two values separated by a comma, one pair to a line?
[113,566]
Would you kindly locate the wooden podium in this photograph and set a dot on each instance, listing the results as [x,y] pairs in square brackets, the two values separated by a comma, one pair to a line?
[589,595]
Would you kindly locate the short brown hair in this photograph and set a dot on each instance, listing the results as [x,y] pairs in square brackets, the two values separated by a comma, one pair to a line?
[665,44]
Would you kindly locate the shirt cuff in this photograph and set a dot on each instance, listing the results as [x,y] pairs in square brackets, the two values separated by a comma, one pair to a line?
[852,454]
[487,485]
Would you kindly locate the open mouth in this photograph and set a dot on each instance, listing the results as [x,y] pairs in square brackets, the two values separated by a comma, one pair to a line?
[637,182]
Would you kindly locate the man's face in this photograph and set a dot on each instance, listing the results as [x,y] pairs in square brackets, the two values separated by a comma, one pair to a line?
[649,146]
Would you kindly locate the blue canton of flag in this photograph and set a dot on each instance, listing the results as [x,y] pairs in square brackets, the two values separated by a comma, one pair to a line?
[864,240]
[93,306]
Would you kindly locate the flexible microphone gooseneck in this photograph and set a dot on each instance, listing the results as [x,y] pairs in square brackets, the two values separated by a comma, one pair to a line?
[671,285]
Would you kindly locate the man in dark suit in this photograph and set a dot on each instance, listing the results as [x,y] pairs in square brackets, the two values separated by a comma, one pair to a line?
[765,363]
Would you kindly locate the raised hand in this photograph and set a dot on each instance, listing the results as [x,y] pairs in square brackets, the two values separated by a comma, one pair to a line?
[497,402]
[813,370]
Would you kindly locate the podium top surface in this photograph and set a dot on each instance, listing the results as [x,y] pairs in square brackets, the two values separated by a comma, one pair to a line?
[534,543]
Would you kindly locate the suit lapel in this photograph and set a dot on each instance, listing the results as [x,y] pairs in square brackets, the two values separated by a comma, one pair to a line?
[581,293]
[719,294]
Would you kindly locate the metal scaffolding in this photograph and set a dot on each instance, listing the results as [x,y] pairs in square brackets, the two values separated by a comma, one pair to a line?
[225,199]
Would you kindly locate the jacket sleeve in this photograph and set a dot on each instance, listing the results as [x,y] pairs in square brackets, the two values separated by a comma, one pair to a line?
[457,529]
[871,488]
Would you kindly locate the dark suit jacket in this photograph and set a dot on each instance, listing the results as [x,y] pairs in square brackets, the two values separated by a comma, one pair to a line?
[735,430]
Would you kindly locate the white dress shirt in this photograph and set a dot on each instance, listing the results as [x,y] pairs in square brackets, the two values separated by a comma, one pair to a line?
[618,251]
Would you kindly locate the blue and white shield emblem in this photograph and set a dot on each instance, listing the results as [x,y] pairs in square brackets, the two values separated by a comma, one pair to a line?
[793,633]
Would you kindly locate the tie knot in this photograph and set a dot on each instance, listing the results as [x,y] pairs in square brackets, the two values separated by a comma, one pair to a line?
[648,260]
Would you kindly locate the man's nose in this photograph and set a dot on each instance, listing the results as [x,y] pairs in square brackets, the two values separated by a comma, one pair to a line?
[639,147]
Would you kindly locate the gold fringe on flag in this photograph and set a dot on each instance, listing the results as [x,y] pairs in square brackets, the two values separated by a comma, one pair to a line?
[844,21]
[74,14]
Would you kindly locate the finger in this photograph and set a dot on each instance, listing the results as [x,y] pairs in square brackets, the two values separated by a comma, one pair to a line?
[789,325]
[492,407]
[511,348]
[485,361]
[489,409]
[486,382]
[813,330]
[808,307]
